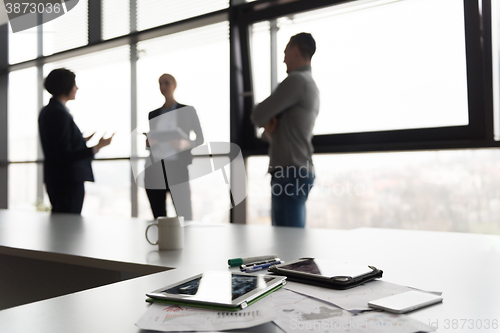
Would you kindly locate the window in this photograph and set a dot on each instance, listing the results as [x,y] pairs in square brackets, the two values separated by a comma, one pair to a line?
[153,13]
[199,60]
[23,115]
[261,60]
[429,190]
[67,31]
[22,45]
[115,18]
[384,65]
[495,38]
[102,103]
[109,195]
[259,191]
[209,198]
[209,195]
[22,187]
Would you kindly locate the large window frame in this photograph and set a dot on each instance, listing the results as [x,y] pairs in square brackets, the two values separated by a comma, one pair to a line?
[479,133]
[95,43]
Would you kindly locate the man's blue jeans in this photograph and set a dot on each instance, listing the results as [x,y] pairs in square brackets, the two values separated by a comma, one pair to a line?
[289,194]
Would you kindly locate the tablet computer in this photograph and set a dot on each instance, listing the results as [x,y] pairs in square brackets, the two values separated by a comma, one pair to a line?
[219,290]
[337,275]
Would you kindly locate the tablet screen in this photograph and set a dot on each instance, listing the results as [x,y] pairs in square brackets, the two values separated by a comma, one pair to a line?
[327,268]
[220,285]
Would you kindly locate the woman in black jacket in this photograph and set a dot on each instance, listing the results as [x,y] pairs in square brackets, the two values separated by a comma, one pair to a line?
[67,163]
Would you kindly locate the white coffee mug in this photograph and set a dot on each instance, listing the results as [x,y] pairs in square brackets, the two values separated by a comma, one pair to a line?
[170,233]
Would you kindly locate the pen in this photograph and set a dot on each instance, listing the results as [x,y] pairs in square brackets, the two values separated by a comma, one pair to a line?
[263,266]
[244,261]
[243,267]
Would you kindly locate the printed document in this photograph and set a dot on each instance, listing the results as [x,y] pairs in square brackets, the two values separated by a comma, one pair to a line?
[170,317]
[297,313]
[354,299]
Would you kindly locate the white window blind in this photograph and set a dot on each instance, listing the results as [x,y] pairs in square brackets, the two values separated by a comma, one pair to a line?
[115,18]
[153,13]
[22,45]
[67,31]
[23,115]
[102,103]
[199,60]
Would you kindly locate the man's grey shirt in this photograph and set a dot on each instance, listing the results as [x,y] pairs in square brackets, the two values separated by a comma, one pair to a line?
[296,104]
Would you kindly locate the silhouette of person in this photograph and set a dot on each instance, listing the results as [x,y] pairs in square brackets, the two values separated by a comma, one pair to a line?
[288,116]
[174,130]
[67,163]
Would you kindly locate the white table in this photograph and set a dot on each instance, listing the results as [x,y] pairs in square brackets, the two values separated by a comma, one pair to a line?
[465,267]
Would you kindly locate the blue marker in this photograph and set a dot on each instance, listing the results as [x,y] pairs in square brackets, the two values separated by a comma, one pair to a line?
[243,267]
[256,268]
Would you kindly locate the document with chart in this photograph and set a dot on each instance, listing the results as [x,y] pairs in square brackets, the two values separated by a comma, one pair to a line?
[355,299]
[299,313]
[170,317]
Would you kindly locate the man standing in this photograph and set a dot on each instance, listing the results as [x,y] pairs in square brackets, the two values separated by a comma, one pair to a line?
[288,118]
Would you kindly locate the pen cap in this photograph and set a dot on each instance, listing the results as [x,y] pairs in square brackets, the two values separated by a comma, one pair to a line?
[235,262]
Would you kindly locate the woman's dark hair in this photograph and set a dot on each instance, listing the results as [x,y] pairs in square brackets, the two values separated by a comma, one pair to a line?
[59,82]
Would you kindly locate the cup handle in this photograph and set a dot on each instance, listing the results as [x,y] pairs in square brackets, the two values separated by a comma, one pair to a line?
[149,226]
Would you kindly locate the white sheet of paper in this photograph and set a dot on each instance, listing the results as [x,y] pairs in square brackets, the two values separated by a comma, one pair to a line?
[169,317]
[299,313]
[351,299]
